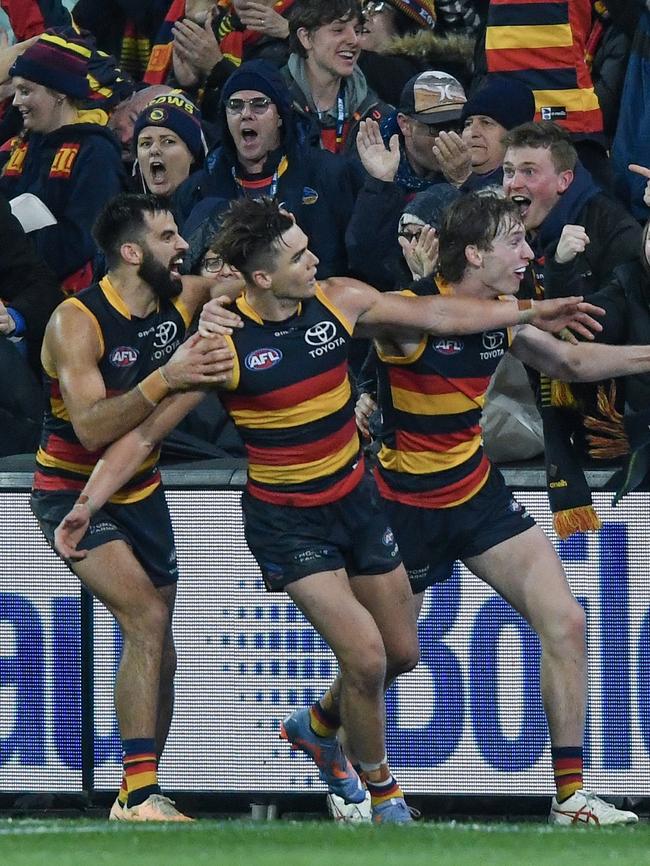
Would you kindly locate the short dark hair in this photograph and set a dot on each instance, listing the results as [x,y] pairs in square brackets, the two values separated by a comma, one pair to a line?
[250,234]
[122,219]
[312,14]
[471,220]
[548,135]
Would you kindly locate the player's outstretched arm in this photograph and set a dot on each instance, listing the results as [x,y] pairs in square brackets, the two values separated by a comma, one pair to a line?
[584,362]
[119,463]
[376,313]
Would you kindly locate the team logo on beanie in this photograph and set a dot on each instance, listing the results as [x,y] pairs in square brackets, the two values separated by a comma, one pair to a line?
[157,115]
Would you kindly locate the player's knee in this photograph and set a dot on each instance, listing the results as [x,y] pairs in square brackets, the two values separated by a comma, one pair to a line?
[568,628]
[147,620]
[402,659]
[575,623]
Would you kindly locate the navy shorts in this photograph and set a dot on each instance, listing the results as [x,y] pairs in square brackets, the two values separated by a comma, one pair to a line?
[432,539]
[291,542]
[145,526]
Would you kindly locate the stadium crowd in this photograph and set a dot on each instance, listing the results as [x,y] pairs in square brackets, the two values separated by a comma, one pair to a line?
[133,138]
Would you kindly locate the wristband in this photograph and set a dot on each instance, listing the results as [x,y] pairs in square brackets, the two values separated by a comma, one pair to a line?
[154,387]
[526,311]
[84,499]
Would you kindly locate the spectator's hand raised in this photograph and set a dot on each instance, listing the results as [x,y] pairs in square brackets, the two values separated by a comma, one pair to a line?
[573,241]
[7,324]
[644,172]
[453,157]
[262,18]
[380,162]
[195,50]
[421,253]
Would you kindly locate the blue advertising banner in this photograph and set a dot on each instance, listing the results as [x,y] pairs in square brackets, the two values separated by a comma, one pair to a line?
[468,720]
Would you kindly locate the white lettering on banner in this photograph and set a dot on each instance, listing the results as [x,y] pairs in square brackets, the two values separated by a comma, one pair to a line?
[468,720]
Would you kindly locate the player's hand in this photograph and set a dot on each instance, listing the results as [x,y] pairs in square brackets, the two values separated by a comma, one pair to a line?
[607,437]
[453,156]
[199,362]
[573,241]
[363,411]
[421,254]
[215,318]
[567,316]
[70,531]
[380,162]
[644,172]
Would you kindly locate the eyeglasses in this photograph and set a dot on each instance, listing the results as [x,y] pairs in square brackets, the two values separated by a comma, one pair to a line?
[410,235]
[258,104]
[212,264]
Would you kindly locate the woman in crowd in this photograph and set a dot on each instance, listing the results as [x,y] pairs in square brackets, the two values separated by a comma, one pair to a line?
[65,155]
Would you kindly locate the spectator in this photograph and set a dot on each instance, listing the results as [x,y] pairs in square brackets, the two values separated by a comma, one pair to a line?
[569,219]
[543,175]
[329,92]
[207,54]
[543,45]
[29,293]
[399,41]
[169,142]
[65,156]
[424,148]
[124,28]
[497,106]
[259,157]
[31,17]
[125,114]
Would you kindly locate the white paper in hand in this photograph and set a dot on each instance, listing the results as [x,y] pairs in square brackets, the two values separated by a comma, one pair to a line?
[31,212]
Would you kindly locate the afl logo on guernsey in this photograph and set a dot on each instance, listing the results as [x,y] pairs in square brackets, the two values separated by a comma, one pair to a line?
[448,346]
[123,356]
[262,359]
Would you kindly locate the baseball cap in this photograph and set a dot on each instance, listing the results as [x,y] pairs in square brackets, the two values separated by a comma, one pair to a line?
[432,97]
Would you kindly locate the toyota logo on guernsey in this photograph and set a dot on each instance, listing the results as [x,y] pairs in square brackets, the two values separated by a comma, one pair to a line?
[493,343]
[165,333]
[123,356]
[262,359]
[323,337]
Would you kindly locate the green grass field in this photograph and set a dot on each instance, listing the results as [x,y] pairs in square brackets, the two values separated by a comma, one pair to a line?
[52,842]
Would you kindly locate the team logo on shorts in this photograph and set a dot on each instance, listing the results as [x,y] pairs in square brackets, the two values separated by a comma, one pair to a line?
[516,507]
[123,356]
[448,346]
[388,538]
[262,359]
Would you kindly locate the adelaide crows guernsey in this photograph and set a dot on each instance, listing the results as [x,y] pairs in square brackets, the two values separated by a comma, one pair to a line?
[131,348]
[292,403]
[431,447]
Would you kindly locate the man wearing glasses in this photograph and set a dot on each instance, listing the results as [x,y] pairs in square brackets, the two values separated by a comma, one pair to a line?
[260,156]
[417,146]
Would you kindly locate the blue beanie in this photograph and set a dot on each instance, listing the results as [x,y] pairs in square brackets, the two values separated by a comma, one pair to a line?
[174,111]
[262,76]
[505,100]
